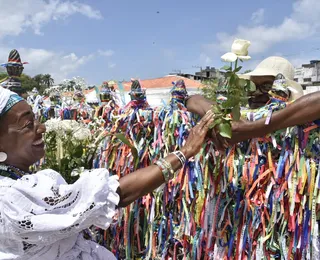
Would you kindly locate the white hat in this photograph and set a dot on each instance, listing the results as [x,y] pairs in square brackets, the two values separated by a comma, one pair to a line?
[272,66]
[295,89]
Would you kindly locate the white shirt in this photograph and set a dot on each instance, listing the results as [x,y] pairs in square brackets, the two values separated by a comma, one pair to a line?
[41,216]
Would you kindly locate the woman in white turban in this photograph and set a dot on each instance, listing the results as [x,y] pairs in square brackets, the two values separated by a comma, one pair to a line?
[41,216]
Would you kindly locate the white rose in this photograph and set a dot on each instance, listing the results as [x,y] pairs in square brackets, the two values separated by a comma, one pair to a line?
[229,57]
[239,50]
[240,47]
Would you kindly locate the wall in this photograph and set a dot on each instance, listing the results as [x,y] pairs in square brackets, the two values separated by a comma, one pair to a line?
[155,95]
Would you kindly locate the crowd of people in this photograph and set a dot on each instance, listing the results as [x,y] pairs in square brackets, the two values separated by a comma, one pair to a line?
[195,195]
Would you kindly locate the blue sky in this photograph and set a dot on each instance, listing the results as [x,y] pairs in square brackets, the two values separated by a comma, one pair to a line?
[103,40]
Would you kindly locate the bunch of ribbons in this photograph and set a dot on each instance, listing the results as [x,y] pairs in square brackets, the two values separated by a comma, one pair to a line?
[259,200]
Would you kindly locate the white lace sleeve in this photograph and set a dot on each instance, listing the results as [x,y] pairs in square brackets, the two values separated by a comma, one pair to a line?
[42,208]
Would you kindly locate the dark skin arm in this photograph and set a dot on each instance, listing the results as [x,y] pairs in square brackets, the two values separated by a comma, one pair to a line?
[305,109]
[143,181]
[199,105]
[146,180]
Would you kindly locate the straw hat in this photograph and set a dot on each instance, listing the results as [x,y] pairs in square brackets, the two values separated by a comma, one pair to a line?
[272,66]
[295,89]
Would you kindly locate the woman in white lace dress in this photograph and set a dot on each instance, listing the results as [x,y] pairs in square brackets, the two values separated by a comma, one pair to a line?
[41,216]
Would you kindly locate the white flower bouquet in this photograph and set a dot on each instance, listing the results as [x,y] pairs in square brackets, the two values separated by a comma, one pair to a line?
[71,147]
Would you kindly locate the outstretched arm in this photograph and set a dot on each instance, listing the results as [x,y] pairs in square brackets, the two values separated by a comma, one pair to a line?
[199,105]
[146,180]
[305,109]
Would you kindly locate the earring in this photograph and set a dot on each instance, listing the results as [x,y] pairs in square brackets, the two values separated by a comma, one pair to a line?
[3,157]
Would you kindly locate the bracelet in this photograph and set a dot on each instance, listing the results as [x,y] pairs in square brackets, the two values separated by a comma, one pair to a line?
[169,167]
[180,156]
[163,170]
[166,169]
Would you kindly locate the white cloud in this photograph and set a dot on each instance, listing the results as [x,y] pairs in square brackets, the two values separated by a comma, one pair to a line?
[34,14]
[301,24]
[258,16]
[111,65]
[59,65]
[107,53]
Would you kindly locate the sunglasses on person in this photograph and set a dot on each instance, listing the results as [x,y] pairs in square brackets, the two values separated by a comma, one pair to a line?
[266,87]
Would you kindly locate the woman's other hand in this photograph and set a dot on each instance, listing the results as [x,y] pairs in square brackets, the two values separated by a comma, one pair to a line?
[197,136]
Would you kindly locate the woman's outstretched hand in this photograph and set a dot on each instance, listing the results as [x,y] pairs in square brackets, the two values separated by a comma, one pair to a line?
[197,135]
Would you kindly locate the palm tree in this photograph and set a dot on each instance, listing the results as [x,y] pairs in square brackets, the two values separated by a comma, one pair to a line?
[38,79]
[47,80]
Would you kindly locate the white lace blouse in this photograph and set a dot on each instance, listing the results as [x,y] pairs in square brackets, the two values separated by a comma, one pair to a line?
[41,216]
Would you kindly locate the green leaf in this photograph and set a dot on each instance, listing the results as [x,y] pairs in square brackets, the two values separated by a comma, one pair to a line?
[236,113]
[228,74]
[252,86]
[233,79]
[226,67]
[225,130]
[216,109]
[241,83]
[78,151]
[216,122]
[237,69]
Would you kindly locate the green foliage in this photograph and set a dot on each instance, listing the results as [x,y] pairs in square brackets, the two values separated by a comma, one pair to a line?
[209,89]
[72,146]
[234,90]
[40,81]
[47,80]
[3,75]
[44,81]
[27,82]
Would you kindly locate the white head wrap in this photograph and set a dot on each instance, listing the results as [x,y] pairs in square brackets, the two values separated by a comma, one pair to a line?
[8,99]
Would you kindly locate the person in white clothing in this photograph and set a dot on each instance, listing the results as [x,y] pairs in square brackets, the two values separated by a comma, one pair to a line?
[41,216]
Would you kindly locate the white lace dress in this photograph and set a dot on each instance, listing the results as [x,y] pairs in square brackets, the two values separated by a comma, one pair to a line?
[41,216]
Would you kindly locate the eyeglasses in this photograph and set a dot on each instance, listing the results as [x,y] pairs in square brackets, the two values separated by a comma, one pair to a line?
[265,88]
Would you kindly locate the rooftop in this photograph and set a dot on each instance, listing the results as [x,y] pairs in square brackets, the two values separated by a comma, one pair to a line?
[164,82]
[157,83]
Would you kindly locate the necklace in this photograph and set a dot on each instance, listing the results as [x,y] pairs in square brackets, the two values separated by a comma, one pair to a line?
[12,172]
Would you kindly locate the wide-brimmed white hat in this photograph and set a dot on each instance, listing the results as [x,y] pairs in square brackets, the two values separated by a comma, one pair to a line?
[295,89]
[272,66]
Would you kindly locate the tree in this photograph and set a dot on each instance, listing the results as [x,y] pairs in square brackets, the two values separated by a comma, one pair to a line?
[247,71]
[47,80]
[39,80]
[3,75]
[27,82]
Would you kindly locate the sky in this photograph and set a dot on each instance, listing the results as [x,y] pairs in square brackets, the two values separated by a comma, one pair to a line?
[117,40]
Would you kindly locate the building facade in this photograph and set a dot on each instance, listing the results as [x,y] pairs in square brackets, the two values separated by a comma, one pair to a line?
[202,75]
[308,76]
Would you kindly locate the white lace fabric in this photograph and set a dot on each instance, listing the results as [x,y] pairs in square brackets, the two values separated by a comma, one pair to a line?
[41,216]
